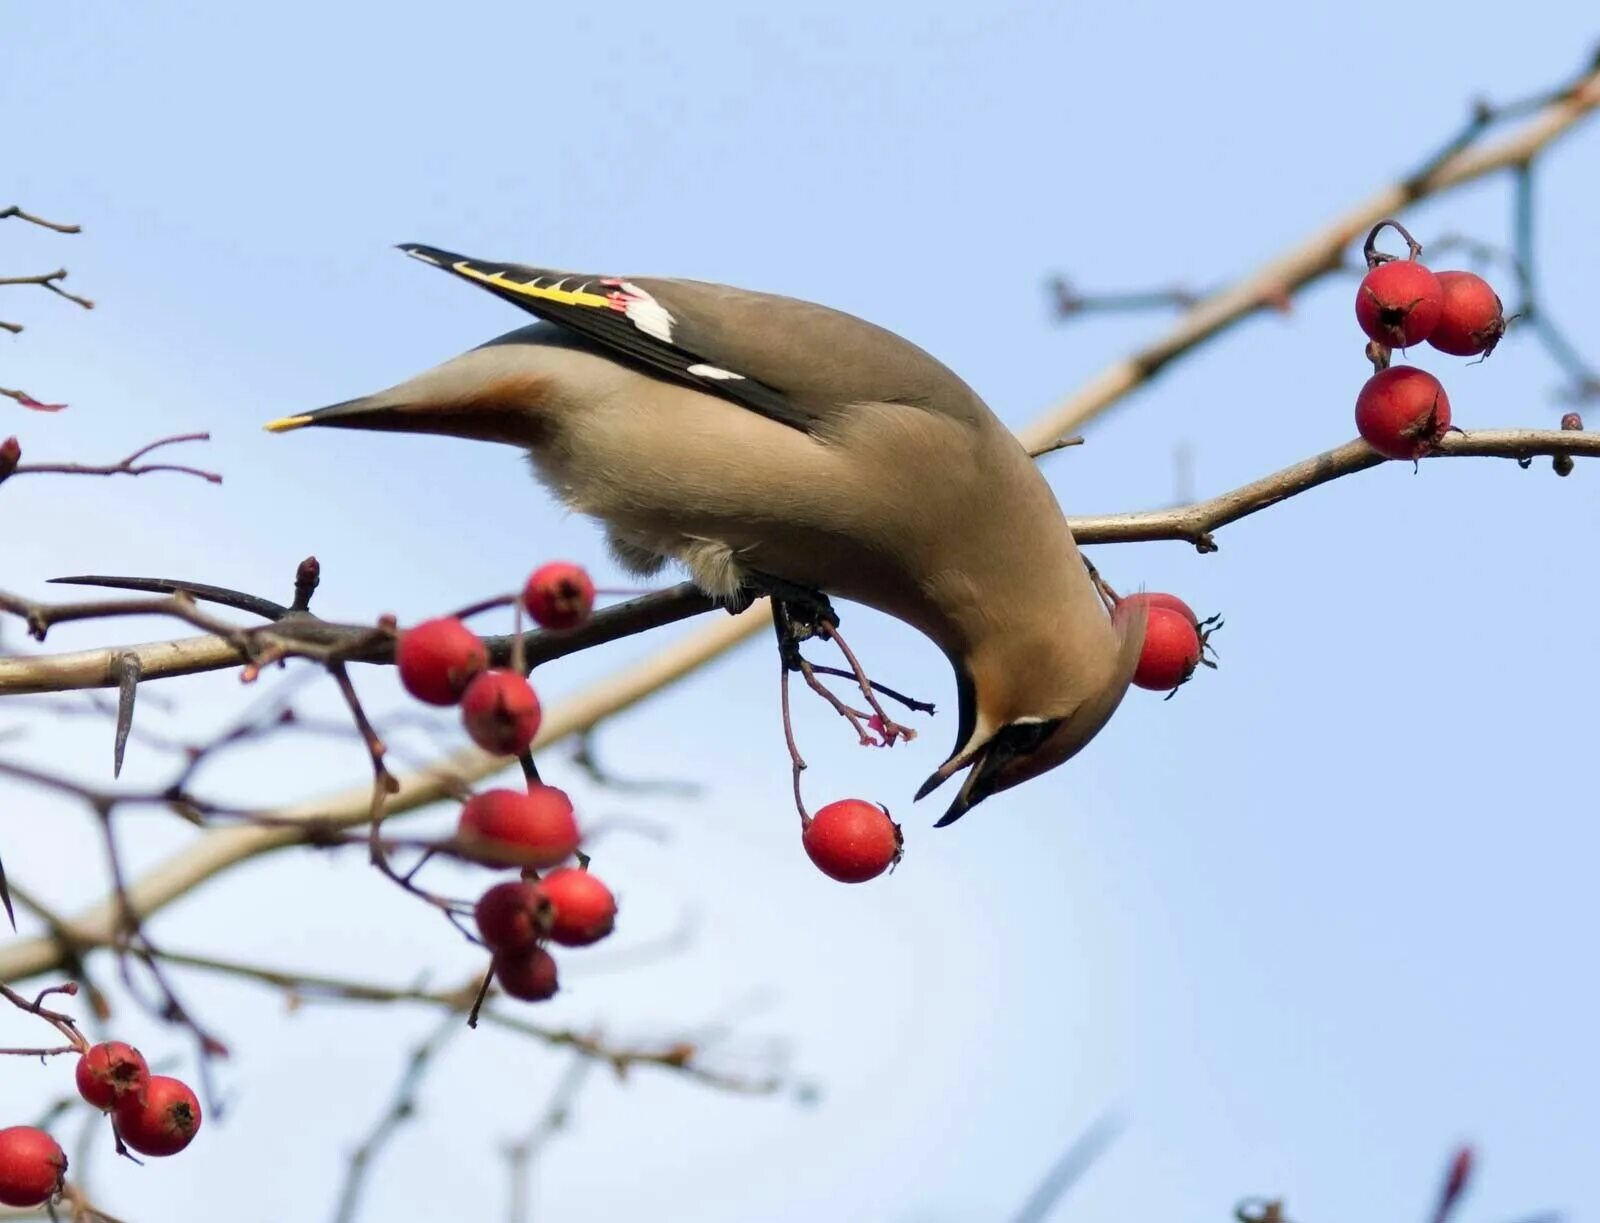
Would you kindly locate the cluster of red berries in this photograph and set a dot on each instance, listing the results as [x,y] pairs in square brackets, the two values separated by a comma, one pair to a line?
[443,662]
[1175,640]
[568,905]
[152,1114]
[1402,411]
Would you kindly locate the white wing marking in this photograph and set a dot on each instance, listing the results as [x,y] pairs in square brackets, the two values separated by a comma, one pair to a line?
[713,371]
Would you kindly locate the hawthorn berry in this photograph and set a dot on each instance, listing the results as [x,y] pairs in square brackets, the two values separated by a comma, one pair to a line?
[109,1071]
[1402,412]
[10,456]
[1157,598]
[1398,303]
[438,659]
[512,915]
[582,909]
[501,712]
[852,841]
[559,595]
[538,822]
[164,1121]
[32,1166]
[1472,319]
[528,973]
[1171,651]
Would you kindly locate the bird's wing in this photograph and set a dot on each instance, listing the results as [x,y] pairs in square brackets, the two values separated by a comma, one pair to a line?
[792,361]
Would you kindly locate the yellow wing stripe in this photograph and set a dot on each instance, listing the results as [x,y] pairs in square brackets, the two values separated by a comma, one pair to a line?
[566,297]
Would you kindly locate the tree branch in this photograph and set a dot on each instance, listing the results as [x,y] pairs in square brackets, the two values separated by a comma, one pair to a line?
[1195,523]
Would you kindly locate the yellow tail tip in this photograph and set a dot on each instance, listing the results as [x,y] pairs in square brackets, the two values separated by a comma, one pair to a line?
[284,423]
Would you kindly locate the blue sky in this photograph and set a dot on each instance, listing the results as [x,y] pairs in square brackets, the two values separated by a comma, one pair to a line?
[1305,927]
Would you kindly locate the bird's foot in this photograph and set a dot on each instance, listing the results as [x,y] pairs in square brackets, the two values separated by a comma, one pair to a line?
[807,612]
[873,725]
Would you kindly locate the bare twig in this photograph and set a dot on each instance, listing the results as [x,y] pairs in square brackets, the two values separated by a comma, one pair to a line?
[1060,443]
[13,211]
[587,759]
[1068,1169]
[22,397]
[400,1110]
[129,466]
[59,1020]
[521,1156]
[1069,303]
[52,282]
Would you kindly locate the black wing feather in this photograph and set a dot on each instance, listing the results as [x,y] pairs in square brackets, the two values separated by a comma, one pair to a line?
[593,307]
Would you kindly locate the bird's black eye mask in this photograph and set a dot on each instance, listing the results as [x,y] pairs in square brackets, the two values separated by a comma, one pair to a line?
[1011,742]
[1023,738]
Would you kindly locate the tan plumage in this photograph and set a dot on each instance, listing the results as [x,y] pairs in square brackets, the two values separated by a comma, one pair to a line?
[748,435]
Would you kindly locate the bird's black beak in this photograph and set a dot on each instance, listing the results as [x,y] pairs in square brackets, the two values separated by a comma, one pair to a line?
[369,412]
[988,764]
[977,786]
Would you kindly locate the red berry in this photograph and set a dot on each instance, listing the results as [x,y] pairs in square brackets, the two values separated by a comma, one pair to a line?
[32,1166]
[438,659]
[583,910]
[1171,651]
[559,595]
[1156,598]
[1398,303]
[1472,320]
[501,712]
[537,822]
[1402,412]
[164,1122]
[852,841]
[512,915]
[10,456]
[528,973]
[110,1071]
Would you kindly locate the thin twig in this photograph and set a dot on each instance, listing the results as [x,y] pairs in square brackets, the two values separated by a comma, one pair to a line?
[22,397]
[13,211]
[521,1156]
[129,466]
[51,281]
[1068,1169]
[400,1110]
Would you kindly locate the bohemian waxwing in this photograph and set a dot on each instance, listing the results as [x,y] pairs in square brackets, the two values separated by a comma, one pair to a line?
[752,437]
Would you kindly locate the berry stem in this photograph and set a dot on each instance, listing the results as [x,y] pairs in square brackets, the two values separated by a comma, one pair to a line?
[477,1002]
[1370,249]
[530,771]
[796,763]
[483,605]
